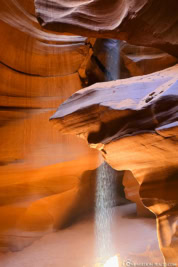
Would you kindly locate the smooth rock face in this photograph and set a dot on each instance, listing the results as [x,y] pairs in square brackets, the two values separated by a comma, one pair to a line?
[39,183]
[140,60]
[47,181]
[139,22]
[131,188]
[133,122]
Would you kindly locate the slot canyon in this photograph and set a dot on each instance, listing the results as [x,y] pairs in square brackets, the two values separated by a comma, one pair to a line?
[88,130]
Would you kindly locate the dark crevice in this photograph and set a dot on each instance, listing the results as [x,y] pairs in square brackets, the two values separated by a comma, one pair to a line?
[140,121]
[102,68]
[34,75]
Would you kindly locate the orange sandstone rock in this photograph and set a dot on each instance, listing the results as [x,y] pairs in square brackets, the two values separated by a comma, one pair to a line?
[133,122]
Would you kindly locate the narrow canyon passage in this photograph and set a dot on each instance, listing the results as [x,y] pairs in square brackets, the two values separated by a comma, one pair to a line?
[88,133]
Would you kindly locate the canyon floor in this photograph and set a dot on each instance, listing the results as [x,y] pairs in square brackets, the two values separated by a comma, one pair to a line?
[134,239]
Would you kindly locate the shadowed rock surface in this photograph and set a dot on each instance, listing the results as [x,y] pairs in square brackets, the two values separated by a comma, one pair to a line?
[133,122]
[145,22]
[112,59]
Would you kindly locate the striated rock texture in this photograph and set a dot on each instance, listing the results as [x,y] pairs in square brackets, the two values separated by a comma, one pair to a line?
[140,60]
[40,185]
[139,22]
[32,50]
[47,181]
[133,122]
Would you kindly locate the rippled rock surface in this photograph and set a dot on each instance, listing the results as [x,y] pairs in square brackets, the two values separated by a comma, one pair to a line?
[145,22]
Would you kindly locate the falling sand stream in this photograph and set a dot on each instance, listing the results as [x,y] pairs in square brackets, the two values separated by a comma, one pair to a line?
[105,200]
[106,177]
